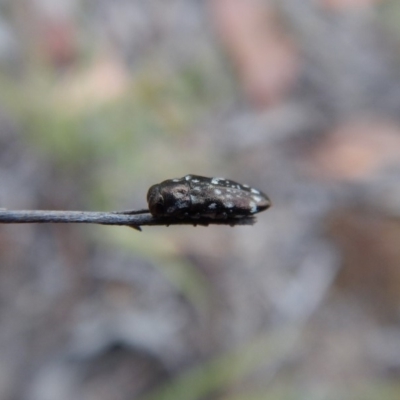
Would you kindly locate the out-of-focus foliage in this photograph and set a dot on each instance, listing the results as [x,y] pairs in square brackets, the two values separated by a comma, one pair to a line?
[101,99]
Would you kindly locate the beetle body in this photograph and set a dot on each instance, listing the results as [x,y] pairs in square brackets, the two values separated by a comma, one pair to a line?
[196,196]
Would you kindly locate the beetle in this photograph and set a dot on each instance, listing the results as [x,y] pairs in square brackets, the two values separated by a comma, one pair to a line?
[194,196]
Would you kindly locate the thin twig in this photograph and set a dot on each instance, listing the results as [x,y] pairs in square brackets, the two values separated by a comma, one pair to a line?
[134,219]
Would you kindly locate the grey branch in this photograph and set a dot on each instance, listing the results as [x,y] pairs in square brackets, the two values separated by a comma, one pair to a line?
[134,219]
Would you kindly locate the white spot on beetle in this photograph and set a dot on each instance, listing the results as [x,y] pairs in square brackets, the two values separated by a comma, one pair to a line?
[228,204]
[212,206]
[197,188]
[188,177]
[258,199]
[195,180]
[228,196]
[246,186]
[215,181]
[217,191]
[175,180]
[254,191]
[253,207]
[194,199]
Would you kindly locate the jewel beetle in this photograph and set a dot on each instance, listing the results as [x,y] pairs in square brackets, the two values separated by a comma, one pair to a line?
[196,196]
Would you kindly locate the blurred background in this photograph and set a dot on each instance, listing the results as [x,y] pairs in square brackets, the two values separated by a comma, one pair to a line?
[299,98]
